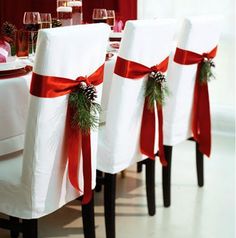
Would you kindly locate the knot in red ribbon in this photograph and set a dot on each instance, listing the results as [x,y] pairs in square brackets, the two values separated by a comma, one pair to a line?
[84,79]
[77,142]
[201,123]
[205,55]
[133,70]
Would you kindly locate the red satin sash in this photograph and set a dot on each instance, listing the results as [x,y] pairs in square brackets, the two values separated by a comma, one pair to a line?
[132,70]
[201,123]
[49,87]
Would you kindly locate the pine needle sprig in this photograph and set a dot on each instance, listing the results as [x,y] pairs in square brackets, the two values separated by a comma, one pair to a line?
[8,31]
[56,23]
[206,73]
[86,111]
[156,90]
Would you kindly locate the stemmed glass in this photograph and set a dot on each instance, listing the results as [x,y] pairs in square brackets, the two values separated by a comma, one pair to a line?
[111,18]
[99,15]
[32,23]
[46,20]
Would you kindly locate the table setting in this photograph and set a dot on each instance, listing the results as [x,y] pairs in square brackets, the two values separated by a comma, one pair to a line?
[17,55]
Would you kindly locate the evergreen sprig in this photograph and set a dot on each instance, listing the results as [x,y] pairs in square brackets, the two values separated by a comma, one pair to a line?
[156,91]
[206,71]
[86,111]
[56,23]
[8,31]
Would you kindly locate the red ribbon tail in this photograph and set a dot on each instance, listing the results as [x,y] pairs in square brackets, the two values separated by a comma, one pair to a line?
[195,111]
[87,168]
[147,136]
[73,151]
[204,120]
[201,124]
[160,136]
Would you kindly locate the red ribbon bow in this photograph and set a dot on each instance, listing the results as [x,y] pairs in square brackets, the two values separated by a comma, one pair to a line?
[132,70]
[49,87]
[201,124]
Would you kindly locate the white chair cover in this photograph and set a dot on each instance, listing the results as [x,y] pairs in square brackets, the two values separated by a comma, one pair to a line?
[200,35]
[43,186]
[147,42]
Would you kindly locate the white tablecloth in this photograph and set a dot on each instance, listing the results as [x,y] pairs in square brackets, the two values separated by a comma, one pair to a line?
[14,96]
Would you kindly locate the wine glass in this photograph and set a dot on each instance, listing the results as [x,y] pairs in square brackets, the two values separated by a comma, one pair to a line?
[32,23]
[99,15]
[46,20]
[111,18]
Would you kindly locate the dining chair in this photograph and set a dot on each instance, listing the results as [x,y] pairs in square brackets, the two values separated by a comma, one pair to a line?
[187,112]
[58,163]
[144,50]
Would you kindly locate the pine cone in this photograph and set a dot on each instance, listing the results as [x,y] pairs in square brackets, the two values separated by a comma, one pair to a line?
[90,92]
[8,30]
[56,23]
[157,76]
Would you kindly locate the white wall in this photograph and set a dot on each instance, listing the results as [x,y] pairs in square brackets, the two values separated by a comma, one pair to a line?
[222,90]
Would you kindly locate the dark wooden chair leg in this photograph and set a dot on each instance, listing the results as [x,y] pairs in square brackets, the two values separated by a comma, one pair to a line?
[30,228]
[150,186]
[88,220]
[14,232]
[200,166]
[139,167]
[166,177]
[98,187]
[109,204]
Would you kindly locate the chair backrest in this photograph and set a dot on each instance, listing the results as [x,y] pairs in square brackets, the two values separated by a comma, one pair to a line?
[66,52]
[147,42]
[199,35]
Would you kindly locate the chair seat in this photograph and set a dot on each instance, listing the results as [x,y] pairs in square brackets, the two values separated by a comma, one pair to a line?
[10,169]
[17,199]
[112,158]
[10,183]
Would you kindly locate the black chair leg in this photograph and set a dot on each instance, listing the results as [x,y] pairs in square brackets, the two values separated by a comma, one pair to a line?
[200,166]
[14,232]
[166,177]
[150,186]
[30,228]
[98,187]
[109,204]
[139,167]
[88,220]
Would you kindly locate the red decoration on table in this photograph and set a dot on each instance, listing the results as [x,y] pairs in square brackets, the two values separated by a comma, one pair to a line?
[5,51]
[7,74]
[22,43]
[132,70]
[49,87]
[118,26]
[201,124]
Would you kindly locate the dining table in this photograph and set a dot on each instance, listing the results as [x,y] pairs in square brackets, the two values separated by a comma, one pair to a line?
[14,98]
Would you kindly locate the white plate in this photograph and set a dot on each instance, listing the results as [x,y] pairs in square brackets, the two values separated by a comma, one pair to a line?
[12,64]
[116,34]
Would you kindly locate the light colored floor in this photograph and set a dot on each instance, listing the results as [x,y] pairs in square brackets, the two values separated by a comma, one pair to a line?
[207,212]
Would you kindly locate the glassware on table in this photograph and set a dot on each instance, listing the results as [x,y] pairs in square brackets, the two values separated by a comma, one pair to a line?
[32,23]
[77,13]
[22,43]
[62,3]
[46,20]
[64,14]
[99,15]
[111,18]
